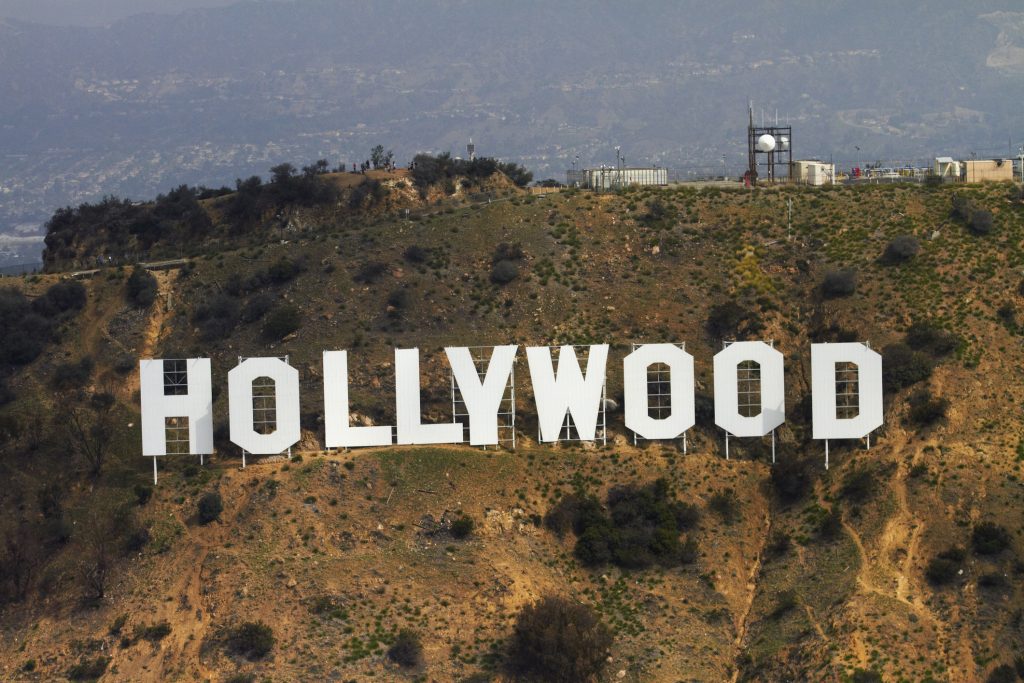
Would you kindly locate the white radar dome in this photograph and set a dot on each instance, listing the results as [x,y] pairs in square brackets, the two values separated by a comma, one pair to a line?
[765,143]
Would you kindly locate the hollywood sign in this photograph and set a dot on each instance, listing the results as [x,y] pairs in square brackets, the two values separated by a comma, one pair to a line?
[263,397]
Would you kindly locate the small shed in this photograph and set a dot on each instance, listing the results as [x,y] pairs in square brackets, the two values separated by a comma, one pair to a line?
[812,172]
[987,170]
[947,168]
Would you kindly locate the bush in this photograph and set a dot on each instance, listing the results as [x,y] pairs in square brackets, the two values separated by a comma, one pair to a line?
[504,272]
[210,507]
[141,288]
[903,367]
[785,602]
[980,222]
[831,524]
[1004,673]
[901,249]
[988,538]
[256,307]
[416,254]
[73,375]
[281,322]
[944,567]
[859,485]
[89,669]
[730,320]
[839,283]
[154,633]
[241,678]
[407,650]
[67,296]
[216,317]
[726,505]
[250,639]
[462,527]
[791,480]
[866,676]
[559,641]
[507,252]
[370,272]
[926,409]
[928,336]
[562,517]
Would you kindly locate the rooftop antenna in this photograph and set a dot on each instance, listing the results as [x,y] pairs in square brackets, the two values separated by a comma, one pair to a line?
[471,150]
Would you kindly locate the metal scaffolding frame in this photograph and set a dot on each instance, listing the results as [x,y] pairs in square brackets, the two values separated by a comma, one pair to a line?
[481,356]
[659,392]
[568,430]
[264,405]
[748,393]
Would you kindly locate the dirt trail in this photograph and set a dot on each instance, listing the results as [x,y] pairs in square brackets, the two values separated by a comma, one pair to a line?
[742,622]
[895,556]
[177,657]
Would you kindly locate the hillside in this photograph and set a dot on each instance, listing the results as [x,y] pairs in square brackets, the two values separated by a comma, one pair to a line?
[901,562]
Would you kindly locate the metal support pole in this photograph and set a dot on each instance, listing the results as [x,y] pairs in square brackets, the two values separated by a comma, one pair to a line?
[201,463]
[826,454]
[155,481]
[869,442]
[727,445]
[773,446]
[684,443]
[243,458]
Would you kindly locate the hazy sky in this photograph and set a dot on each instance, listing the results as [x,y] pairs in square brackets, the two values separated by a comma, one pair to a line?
[94,12]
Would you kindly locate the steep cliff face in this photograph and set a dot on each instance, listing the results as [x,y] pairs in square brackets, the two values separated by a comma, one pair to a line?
[902,559]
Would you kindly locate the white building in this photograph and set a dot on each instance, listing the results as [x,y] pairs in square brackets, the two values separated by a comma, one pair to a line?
[947,168]
[609,178]
[812,172]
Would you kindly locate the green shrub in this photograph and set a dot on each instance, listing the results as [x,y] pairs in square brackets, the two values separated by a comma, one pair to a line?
[281,322]
[792,479]
[73,375]
[929,337]
[725,504]
[839,283]
[641,529]
[154,633]
[945,567]
[559,641]
[141,288]
[504,272]
[210,507]
[926,409]
[1004,673]
[901,249]
[989,538]
[980,222]
[89,669]
[859,485]
[67,296]
[406,651]
[250,639]
[462,527]
[903,367]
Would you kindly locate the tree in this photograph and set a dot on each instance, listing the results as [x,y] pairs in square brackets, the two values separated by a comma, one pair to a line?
[210,507]
[282,173]
[407,650]
[379,158]
[559,641]
[839,283]
[901,249]
[100,527]
[141,288]
[87,422]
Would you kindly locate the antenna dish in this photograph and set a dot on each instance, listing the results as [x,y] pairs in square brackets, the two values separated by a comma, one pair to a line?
[765,143]
[783,142]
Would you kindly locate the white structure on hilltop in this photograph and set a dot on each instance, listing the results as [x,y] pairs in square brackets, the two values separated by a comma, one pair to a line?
[611,178]
[812,172]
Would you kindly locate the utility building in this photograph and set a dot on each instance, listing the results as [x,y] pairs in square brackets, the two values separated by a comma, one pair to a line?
[610,178]
[982,170]
[812,172]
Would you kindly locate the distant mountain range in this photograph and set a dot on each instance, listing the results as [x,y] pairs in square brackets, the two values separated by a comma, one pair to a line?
[205,96]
